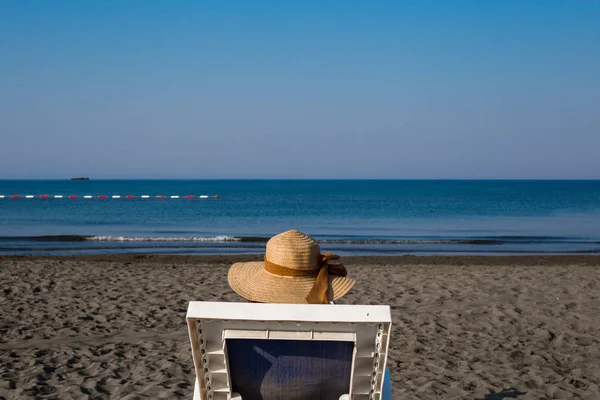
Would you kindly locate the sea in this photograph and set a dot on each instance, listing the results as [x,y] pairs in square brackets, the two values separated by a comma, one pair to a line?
[348,217]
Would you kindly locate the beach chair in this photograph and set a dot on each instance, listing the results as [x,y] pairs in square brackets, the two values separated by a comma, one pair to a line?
[248,351]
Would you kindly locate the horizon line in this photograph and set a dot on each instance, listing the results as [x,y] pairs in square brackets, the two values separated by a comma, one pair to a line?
[303,179]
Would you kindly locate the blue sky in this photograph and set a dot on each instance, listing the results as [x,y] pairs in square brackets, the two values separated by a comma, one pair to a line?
[311,89]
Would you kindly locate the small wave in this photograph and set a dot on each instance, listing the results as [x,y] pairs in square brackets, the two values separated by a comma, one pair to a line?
[411,241]
[526,237]
[162,239]
[254,239]
[259,239]
[475,241]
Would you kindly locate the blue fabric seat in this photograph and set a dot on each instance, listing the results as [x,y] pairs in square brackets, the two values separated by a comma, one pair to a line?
[289,369]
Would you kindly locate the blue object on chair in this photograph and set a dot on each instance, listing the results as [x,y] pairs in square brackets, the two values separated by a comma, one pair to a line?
[387,386]
[289,369]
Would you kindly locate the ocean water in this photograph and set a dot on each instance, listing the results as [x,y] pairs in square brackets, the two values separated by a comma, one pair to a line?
[346,216]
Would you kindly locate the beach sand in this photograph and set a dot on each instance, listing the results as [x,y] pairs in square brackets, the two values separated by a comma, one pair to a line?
[464,327]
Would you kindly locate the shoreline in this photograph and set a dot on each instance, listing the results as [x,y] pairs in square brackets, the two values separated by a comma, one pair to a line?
[468,260]
[217,244]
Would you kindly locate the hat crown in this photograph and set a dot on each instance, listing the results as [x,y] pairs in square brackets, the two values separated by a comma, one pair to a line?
[293,249]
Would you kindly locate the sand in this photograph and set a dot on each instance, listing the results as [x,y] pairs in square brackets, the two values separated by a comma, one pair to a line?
[113,327]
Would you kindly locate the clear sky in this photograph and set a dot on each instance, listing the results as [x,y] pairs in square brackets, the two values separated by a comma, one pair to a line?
[299,89]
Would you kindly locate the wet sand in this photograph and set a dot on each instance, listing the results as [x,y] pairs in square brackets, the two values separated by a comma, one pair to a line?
[107,327]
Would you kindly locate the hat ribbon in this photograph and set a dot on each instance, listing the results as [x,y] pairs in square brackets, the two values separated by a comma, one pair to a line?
[318,293]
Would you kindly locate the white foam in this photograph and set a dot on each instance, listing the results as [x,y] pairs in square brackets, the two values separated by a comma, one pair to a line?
[163,239]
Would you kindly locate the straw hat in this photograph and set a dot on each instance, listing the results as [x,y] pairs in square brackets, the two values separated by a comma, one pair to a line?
[294,271]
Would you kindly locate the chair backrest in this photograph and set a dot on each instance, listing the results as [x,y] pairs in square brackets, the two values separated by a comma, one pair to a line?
[288,351]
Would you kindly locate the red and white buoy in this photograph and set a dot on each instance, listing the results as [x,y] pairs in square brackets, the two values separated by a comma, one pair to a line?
[103,196]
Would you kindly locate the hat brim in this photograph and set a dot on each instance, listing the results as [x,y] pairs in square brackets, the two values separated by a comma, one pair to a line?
[251,281]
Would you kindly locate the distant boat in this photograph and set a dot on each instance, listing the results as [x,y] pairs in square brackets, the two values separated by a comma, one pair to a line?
[80,178]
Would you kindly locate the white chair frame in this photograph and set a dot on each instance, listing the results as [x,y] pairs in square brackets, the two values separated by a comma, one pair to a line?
[210,324]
